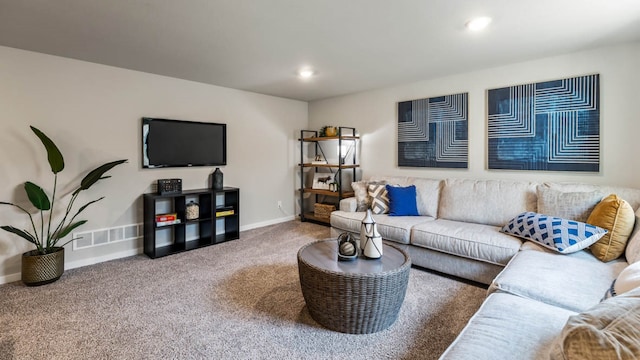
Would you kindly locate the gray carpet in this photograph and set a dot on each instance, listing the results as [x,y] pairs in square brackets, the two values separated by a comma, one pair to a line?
[237,300]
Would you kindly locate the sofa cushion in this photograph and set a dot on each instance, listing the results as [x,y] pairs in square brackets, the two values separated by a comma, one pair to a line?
[379,199]
[575,281]
[427,196]
[490,202]
[509,327]
[402,200]
[475,241]
[561,235]
[361,193]
[427,191]
[630,194]
[393,228]
[632,252]
[628,279]
[615,215]
[567,205]
[609,330]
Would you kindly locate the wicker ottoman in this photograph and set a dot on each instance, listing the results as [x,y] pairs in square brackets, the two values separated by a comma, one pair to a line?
[356,297]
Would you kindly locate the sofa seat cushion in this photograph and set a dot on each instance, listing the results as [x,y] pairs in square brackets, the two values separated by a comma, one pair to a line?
[392,228]
[474,241]
[574,281]
[508,327]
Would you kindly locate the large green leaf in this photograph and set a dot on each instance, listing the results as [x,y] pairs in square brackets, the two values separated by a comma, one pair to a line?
[96,174]
[87,204]
[67,229]
[20,233]
[56,161]
[37,196]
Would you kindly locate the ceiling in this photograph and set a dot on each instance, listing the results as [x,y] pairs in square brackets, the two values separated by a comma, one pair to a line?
[354,45]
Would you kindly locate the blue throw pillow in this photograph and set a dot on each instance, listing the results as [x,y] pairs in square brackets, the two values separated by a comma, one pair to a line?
[562,235]
[402,201]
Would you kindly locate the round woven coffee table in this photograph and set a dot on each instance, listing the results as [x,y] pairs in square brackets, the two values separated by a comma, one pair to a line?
[356,297]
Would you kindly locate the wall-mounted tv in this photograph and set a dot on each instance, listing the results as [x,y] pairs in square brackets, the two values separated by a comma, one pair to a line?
[175,143]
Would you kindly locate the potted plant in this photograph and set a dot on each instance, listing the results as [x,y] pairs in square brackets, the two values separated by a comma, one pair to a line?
[45,264]
[328,131]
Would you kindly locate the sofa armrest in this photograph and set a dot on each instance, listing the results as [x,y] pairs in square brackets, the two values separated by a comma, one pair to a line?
[348,204]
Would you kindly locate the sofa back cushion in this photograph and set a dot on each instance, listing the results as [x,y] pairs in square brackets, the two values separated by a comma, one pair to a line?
[631,195]
[427,196]
[490,202]
[427,191]
[570,205]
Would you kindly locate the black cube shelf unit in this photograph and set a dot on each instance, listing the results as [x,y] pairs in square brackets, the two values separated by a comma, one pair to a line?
[217,208]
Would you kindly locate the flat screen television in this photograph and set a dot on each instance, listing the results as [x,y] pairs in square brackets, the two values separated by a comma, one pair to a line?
[176,143]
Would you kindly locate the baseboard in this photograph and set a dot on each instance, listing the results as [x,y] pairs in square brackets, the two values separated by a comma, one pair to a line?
[9,278]
[267,223]
[96,260]
[99,259]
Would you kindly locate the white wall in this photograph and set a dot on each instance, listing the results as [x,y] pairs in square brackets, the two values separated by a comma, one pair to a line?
[93,113]
[374,114]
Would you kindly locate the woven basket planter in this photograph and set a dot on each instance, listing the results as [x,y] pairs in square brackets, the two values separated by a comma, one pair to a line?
[38,269]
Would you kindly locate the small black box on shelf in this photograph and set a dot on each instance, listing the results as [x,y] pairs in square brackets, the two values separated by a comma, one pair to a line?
[169,186]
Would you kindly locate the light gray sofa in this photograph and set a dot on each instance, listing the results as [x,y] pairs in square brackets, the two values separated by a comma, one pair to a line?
[533,291]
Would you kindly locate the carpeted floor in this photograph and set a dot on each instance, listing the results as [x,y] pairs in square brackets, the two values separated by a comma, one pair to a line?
[237,300]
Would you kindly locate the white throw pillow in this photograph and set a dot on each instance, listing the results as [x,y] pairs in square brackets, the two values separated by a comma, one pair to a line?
[628,279]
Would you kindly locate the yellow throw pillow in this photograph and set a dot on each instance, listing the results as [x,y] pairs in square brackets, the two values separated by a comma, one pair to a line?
[617,216]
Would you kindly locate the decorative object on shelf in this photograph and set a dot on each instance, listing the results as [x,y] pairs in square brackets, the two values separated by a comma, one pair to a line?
[38,270]
[192,211]
[167,219]
[225,211]
[433,132]
[217,179]
[169,186]
[373,243]
[323,210]
[328,131]
[318,161]
[321,181]
[347,247]
[333,186]
[366,227]
[550,125]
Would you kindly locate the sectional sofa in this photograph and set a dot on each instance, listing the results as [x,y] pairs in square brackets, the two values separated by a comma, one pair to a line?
[536,296]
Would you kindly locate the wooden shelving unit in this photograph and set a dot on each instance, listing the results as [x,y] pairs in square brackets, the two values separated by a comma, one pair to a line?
[346,162]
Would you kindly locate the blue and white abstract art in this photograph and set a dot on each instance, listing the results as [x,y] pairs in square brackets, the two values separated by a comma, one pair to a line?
[433,132]
[552,125]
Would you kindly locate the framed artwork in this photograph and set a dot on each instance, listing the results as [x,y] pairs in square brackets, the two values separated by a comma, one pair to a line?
[551,125]
[433,132]
[321,181]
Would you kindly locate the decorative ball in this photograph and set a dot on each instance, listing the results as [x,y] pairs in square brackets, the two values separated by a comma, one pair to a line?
[347,248]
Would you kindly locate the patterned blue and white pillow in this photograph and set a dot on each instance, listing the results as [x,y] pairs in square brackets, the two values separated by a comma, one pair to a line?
[562,235]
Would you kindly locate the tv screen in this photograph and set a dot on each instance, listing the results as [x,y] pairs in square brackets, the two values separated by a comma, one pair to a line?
[174,143]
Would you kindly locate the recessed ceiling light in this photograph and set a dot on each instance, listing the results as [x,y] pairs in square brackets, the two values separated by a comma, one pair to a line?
[306,73]
[478,24]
